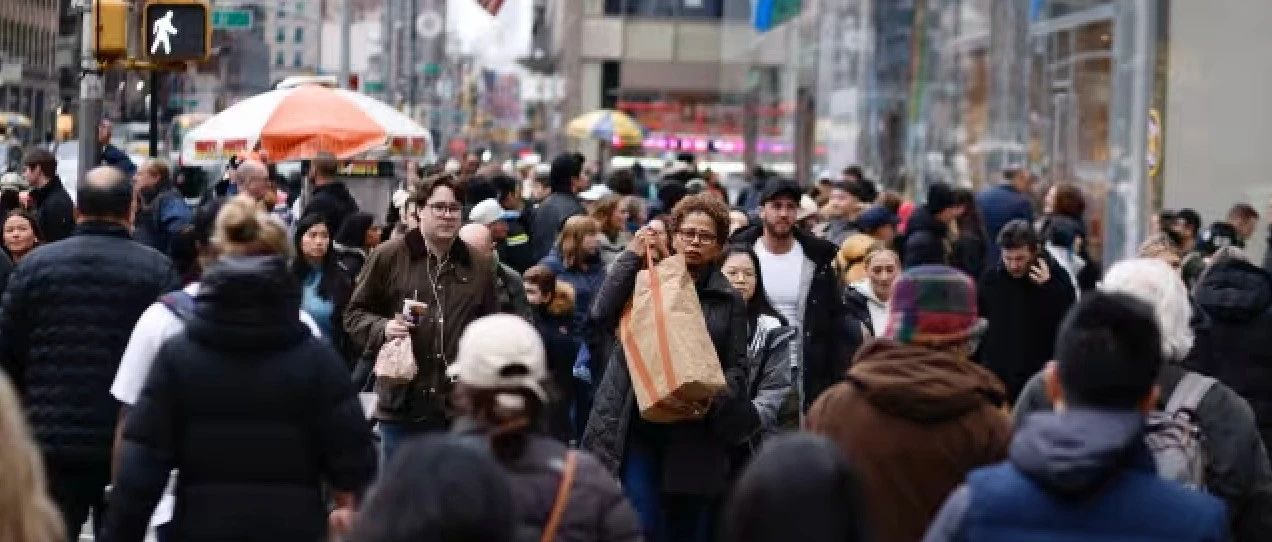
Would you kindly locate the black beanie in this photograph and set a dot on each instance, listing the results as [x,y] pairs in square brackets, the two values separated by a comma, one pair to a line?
[940,197]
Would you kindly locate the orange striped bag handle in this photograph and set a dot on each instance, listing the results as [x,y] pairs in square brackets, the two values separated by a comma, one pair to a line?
[562,497]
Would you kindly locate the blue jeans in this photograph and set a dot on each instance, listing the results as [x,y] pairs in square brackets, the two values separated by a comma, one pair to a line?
[665,517]
[394,434]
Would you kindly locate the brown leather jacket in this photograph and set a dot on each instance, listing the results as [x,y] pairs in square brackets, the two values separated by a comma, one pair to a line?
[403,269]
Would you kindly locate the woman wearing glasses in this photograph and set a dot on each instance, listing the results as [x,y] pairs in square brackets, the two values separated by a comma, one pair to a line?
[675,473]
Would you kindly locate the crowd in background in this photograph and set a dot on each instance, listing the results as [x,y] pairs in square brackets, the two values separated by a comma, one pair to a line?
[235,357]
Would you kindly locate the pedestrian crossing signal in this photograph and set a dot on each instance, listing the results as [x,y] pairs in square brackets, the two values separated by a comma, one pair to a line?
[177,30]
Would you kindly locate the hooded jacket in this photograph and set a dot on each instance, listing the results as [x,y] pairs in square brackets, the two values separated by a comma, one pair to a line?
[1233,344]
[254,412]
[1024,318]
[1238,470]
[160,217]
[1078,475]
[334,202]
[586,284]
[555,322]
[876,310]
[913,421]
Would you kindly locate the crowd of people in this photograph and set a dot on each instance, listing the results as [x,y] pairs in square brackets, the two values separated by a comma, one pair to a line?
[963,367]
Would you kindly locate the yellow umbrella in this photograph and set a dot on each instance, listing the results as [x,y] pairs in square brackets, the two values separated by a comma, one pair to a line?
[14,119]
[606,125]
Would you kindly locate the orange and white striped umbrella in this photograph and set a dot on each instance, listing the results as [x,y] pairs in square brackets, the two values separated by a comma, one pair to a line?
[298,123]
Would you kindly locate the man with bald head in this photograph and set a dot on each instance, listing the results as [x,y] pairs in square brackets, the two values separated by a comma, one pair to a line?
[66,317]
[509,288]
[253,179]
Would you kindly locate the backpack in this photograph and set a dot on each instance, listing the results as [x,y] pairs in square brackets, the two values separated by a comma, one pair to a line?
[180,303]
[1175,439]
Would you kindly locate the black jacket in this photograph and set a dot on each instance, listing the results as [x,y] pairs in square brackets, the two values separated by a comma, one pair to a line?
[1233,324]
[334,202]
[160,218]
[54,210]
[1024,318]
[924,242]
[547,219]
[254,412]
[68,312]
[695,453]
[826,321]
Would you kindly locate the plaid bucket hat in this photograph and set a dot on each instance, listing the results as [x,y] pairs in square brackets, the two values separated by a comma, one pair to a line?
[934,305]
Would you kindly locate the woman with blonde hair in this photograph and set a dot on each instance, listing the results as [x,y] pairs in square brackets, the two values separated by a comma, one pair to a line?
[26,511]
[849,262]
[867,299]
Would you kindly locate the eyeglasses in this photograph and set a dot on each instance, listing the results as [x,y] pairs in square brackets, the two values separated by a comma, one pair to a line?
[700,237]
[443,209]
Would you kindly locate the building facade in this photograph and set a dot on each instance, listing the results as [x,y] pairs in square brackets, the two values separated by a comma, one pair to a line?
[28,73]
[293,34]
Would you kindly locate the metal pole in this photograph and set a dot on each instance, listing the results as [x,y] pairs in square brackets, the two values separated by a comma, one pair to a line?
[154,113]
[346,14]
[322,17]
[90,106]
[412,67]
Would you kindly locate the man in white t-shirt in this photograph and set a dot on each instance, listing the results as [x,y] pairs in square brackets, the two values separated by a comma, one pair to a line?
[801,282]
[156,325]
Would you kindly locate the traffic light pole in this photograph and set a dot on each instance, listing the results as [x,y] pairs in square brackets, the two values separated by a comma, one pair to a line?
[154,114]
[90,102]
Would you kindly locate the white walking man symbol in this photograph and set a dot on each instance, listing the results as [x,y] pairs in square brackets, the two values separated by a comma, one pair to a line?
[163,32]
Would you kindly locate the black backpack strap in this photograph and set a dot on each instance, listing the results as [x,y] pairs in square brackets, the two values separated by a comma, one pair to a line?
[180,303]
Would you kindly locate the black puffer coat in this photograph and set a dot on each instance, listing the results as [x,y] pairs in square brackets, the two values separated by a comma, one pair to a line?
[69,310]
[253,411]
[1233,323]
[695,453]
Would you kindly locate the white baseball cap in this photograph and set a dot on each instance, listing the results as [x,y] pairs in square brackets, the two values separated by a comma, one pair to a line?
[595,193]
[486,212]
[501,351]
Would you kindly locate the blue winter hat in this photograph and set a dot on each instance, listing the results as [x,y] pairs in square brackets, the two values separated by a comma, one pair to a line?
[876,217]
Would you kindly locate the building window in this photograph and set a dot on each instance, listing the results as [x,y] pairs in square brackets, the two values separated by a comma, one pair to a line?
[298,59]
[300,7]
[280,59]
[300,34]
[280,36]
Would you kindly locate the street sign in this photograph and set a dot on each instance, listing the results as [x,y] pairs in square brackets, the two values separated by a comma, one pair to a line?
[232,19]
[176,31]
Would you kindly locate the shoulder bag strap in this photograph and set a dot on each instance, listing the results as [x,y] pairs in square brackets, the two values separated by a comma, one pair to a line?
[1189,392]
[562,497]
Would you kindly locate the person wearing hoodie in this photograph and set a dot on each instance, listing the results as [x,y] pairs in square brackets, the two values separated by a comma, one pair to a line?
[330,198]
[916,415]
[868,297]
[49,199]
[1085,470]
[926,240]
[566,180]
[1233,303]
[1024,296]
[797,475]
[500,399]
[552,305]
[1237,468]
[255,413]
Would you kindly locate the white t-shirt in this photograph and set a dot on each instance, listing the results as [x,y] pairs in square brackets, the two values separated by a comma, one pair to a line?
[156,325]
[782,274]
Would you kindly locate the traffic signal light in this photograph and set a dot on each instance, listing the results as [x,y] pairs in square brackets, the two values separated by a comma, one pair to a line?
[110,29]
[177,30]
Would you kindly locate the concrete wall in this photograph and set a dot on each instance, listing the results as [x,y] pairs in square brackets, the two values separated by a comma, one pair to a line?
[1219,108]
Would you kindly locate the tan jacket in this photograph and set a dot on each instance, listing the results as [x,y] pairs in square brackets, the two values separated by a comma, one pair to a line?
[403,269]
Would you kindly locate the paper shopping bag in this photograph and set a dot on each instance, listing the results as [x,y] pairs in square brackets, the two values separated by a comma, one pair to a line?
[673,364]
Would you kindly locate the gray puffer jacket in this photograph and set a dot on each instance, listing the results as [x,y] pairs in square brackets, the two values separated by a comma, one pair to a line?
[597,510]
[768,371]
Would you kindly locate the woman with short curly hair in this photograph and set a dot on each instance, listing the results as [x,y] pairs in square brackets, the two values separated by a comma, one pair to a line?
[675,473]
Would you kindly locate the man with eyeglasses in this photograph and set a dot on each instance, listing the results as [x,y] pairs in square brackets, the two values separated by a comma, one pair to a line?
[54,209]
[802,285]
[427,285]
